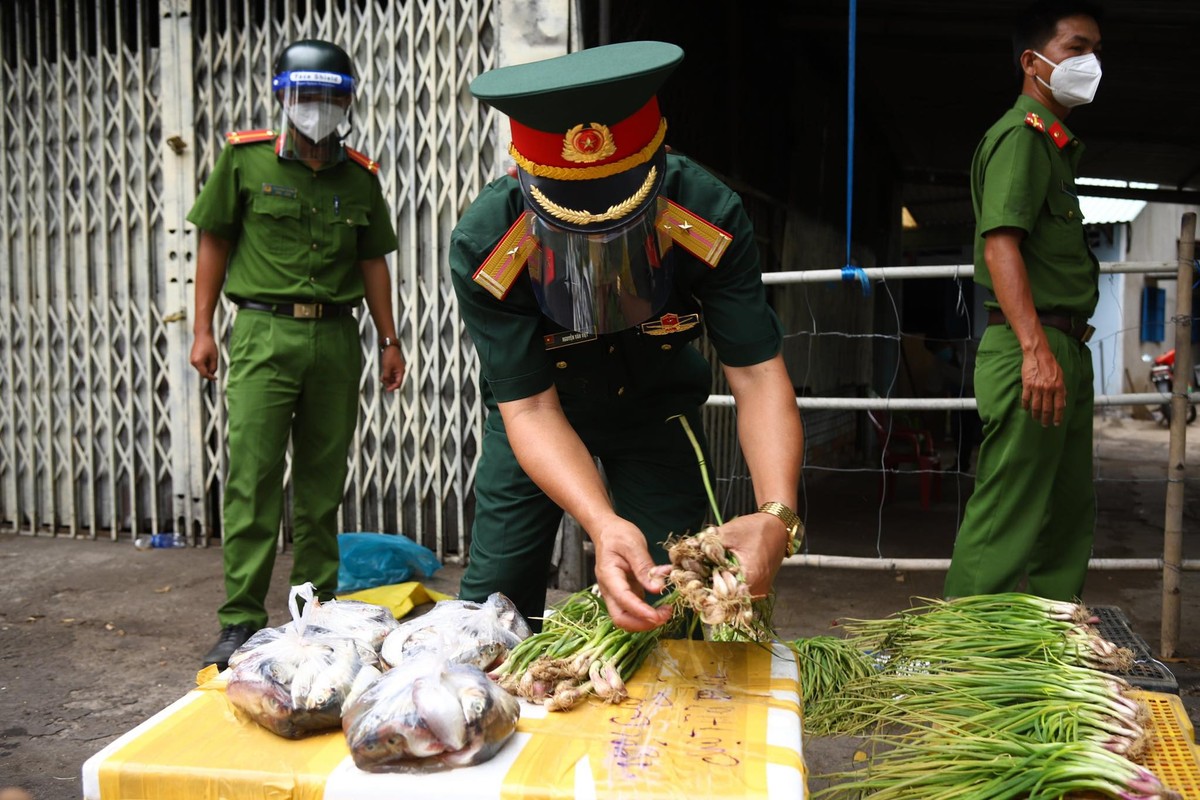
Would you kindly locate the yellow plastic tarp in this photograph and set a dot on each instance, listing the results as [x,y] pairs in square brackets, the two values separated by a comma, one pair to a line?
[694,726]
[703,720]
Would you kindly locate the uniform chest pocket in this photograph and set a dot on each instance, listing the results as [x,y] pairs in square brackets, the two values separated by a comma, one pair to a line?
[274,227]
[347,225]
[1063,203]
[1059,237]
[282,208]
[352,217]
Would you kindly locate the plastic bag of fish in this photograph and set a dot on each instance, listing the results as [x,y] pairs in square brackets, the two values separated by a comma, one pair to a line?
[296,679]
[479,634]
[429,713]
[366,622]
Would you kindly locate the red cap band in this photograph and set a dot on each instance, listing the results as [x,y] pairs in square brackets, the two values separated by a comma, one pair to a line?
[588,145]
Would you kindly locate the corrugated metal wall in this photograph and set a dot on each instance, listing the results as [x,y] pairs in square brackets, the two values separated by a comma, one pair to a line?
[113,115]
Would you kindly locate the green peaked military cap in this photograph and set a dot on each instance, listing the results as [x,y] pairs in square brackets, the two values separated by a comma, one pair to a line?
[603,84]
[587,133]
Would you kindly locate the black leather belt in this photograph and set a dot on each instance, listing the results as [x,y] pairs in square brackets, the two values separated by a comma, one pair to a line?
[299,310]
[1071,326]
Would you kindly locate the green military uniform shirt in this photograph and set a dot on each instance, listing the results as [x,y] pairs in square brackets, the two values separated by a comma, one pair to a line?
[1023,176]
[648,371]
[299,233]
[619,391]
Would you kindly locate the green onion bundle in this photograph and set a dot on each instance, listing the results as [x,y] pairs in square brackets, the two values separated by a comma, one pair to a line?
[579,653]
[708,579]
[956,765]
[993,696]
[828,664]
[1038,700]
[762,610]
[1009,625]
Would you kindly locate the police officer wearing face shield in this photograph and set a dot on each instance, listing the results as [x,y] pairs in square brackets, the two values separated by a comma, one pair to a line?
[583,283]
[1032,514]
[294,226]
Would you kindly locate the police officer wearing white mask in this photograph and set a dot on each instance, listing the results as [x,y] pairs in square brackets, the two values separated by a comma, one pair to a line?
[1031,517]
[294,227]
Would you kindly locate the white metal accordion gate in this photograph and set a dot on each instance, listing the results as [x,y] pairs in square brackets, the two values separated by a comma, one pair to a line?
[113,114]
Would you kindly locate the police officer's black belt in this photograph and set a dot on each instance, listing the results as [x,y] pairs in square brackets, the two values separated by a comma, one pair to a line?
[298,310]
[1072,326]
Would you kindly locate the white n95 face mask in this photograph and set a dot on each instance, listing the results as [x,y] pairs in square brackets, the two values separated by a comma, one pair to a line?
[316,120]
[1074,80]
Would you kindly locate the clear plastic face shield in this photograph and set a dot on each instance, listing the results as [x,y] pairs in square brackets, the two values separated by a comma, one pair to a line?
[600,282]
[315,109]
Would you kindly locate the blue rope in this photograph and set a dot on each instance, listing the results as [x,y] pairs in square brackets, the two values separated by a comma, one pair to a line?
[851,273]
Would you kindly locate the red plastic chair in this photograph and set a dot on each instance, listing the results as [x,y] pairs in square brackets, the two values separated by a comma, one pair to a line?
[904,445]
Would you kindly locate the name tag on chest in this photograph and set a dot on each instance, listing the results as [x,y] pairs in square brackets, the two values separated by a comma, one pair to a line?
[278,191]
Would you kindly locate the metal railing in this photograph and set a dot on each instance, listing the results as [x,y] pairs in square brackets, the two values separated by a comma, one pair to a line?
[1172,562]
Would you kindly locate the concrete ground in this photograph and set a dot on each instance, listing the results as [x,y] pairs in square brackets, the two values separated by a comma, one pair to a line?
[96,636]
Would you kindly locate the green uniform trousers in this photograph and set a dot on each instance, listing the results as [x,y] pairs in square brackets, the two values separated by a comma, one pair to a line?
[286,377]
[1033,511]
[654,480]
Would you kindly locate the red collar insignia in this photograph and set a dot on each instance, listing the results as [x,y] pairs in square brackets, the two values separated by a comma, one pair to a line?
[1059,134]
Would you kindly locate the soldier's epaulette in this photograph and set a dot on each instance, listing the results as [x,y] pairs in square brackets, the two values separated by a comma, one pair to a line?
[1035,122]
[370,165]
[695,234]
[249,137]
[507,259]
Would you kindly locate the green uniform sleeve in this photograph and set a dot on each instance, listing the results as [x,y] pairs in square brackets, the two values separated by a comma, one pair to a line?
[218,209]
[1014,181]
[379,238]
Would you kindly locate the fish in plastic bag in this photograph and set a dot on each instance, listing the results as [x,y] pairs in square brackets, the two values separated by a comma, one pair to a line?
[480,634]
[367,622]
[298,681]
[426,714]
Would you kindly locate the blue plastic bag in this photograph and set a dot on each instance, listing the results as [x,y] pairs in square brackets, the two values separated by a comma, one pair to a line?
[380,559]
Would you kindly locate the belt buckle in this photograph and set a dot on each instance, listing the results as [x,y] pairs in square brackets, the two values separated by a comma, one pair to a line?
[306,310]
[1084,337]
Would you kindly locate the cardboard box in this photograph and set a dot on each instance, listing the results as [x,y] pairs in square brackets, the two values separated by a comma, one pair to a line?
[703,720]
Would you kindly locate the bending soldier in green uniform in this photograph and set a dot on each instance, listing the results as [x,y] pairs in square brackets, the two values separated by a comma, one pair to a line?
[583,283]
[296,228]
[1032,513]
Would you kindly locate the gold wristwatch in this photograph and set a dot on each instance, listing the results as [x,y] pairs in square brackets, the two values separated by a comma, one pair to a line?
[795,528]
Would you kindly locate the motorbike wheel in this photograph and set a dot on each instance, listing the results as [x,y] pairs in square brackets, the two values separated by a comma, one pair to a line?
[1165,408]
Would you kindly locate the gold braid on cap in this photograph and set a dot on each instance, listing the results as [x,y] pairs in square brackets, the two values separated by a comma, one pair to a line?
[591,173]
[617,211]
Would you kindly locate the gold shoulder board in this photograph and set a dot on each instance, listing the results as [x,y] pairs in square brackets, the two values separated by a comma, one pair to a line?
[249,137]
[369,164]
[698,236]
[500,269]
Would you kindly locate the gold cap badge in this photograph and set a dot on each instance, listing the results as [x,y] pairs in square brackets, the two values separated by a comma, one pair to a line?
[586,145]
